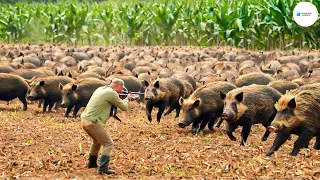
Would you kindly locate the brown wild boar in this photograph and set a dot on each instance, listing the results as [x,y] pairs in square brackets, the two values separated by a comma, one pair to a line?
[204,105]
[249,105]
[297,113]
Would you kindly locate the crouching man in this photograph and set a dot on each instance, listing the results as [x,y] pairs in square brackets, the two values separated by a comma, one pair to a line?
[94,118]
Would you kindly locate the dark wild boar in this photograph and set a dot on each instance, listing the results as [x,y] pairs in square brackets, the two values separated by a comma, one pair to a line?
[249,105]
[204,105]
[13,86]
[164,92]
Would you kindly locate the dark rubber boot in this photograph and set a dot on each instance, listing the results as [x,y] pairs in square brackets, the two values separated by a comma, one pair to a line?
[104,165]
[92,161]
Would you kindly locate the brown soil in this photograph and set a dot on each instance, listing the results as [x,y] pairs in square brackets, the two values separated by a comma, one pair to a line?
[34,145]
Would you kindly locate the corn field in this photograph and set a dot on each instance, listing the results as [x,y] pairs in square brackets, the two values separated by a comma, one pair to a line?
[243,23]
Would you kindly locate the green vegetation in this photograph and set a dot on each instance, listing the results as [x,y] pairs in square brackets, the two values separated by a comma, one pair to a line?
[244,23]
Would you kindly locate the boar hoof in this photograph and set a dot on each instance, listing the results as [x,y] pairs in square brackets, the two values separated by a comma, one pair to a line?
[269,153]
[294,153]
[199,133]
[232,137]
[194,131]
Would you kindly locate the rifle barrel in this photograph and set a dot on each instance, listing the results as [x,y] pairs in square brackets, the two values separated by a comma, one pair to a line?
[122,94]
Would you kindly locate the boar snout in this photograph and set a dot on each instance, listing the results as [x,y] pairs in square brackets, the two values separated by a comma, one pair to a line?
[182,125]
[228,116]
[31,98]
[63,105]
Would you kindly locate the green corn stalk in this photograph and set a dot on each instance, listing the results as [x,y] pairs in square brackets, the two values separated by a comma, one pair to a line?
[244,20]
[133,20]
[165,18]
[16,23]
[225,18]
[107,18]
[248,24]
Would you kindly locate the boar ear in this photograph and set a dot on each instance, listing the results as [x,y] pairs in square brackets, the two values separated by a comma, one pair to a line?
[70,75]
[181,101]
[74,87]
[292,103]
[157,84]
[146,83]
[222,95]
[239,97]
[41,83]
[60,86]
[196,103]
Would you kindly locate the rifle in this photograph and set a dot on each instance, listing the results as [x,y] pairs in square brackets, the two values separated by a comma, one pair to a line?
[124,92]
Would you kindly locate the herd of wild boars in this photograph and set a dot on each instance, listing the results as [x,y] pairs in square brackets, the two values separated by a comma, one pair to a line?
[278,89]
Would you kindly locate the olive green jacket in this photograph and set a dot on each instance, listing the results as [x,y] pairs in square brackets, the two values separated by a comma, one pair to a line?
[99,106]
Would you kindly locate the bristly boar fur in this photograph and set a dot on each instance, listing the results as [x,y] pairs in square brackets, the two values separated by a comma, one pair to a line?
[297,113]
[77,94]
[48,89]
[164,92]
[283,85]
[249,105]
[13,86]
[253,78]
[204,105]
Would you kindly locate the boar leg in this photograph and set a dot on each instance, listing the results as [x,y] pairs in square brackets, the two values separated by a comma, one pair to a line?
[178,108]
[211,122]
[24,101]
[267,133]
[230,128]
[149,108]
[245,131]
[219,122]
[58,104]
[76,110]
[66,114]
[302,141]
[169,111]
[195,126]
[45,105]
[280,139]
[317,143]
[50,106]
[40,101]
[162,107]
[204,122]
